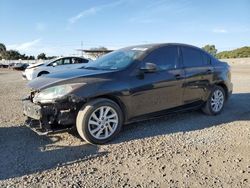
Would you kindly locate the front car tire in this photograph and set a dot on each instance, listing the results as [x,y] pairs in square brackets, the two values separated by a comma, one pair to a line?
[216,101]
[99,121]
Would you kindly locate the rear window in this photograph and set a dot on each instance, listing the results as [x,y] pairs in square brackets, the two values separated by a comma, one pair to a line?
[192,57]
[76,60]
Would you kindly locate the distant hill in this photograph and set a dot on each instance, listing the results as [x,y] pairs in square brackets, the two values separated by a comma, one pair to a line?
[237,53]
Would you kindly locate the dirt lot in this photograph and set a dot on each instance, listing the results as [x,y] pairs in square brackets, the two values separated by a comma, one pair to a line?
[182,150]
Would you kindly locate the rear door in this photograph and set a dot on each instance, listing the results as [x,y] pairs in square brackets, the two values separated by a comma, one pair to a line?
[66,64]
[198,73]
[159,90]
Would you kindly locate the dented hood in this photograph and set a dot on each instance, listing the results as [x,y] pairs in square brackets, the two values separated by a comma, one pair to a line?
[66,77]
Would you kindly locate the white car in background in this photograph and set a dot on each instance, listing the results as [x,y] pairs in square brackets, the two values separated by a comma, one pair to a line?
[54,65]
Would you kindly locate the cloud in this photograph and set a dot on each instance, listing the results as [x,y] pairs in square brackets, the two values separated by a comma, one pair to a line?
[36,47]
[26,46]
[93,11]
[219,30]
[160,11]
[85,13]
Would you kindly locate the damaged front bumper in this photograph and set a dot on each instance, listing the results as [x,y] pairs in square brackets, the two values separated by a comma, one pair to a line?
[32,110]
[50,118]
[35,126]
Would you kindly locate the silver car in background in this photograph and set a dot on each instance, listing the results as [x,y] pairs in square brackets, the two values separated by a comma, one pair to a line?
[59,64]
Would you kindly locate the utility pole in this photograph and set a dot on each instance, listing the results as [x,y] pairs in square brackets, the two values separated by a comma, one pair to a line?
[82,48]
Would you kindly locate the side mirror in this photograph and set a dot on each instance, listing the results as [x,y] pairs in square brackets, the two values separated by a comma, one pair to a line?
[149,68]
[54,64]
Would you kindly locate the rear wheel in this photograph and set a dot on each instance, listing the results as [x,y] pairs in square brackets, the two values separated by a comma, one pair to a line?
[99,121]
[215,102]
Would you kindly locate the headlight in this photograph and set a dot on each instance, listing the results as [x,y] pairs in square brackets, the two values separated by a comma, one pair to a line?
[52,93]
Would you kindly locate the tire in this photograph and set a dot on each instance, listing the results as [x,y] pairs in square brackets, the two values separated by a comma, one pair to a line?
[42,73]
[86,118]
[209,107]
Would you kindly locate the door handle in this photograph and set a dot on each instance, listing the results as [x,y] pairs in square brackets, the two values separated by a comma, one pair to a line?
[178,76]
[209,71]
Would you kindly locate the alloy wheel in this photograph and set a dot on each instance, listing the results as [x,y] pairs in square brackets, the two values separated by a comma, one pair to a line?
[103,122]
[217,100]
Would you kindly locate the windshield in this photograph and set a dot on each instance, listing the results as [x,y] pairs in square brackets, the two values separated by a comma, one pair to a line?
[115,60]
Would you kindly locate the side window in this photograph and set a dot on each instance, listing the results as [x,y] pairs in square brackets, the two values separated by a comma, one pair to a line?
[165,58]
[213,61]
[66,61]
[79,60]
[192,57]
[206,59]
[84,60]
[57,62]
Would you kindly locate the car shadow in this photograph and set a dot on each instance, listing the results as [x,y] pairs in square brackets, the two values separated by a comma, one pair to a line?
[23,152]
[237,108]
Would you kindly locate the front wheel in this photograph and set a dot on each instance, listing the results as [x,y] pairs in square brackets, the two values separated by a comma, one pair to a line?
[215,102]
[99,121]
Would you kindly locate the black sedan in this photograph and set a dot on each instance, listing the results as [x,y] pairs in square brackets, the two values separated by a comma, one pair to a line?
[128,85]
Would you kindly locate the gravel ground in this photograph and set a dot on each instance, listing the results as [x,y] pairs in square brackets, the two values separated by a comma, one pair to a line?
[182,150]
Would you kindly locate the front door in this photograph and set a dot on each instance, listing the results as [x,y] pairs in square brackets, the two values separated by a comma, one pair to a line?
[160,90]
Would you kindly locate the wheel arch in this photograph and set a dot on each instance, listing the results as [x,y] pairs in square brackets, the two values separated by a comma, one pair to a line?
[224,86]
[115,99]
[42,72]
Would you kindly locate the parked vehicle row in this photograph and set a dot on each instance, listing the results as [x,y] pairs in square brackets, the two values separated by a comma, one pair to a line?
[16,66]
[2,65]
[127,85]
[20,66]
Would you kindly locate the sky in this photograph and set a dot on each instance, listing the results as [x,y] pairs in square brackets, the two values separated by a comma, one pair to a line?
[60,27]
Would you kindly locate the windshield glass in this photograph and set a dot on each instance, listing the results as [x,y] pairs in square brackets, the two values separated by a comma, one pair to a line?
[115,60]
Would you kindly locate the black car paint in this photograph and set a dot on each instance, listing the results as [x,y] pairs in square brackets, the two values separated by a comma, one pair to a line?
[140,95]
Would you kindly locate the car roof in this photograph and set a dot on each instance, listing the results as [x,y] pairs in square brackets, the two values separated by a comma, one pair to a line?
[157,45]
[70,57]
[60,57]
[150,47]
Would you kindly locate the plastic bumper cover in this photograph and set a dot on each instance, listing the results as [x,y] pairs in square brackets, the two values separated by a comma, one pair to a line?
[32,110]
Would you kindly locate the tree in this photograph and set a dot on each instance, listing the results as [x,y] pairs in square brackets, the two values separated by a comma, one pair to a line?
[42,56]
[100,51]
[51,57]
[31,57]
[11,55]
[2,48]
[239,52]
[210,49]
[100,48]
[15,55]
